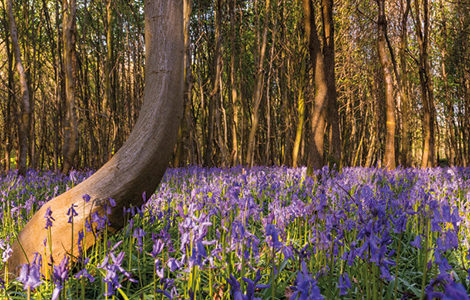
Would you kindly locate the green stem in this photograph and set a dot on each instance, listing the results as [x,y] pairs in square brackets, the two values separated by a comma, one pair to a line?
[425,267]
[397,265]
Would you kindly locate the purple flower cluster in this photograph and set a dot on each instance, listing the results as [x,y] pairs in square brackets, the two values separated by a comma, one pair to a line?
[329,235]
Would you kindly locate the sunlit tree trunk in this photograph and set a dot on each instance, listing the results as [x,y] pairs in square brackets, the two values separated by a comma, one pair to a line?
[236,154]
[299,129]
[25,104]
[70,146]
[258,89]
[405,153]
[389,156]
[422,31]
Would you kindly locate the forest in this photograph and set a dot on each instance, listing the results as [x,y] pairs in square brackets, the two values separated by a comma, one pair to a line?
[235,149]
[397,75]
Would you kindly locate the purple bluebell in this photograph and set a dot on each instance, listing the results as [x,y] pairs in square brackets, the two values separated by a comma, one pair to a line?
[235,288]
[86,198]
[30,275]
[139,233]
[60,275]
[71,212]
[344,284]
[6,250]
[273,232]
[305,287]
[84,272]
[173,264]
[416,242]
[49,218]
[252,286]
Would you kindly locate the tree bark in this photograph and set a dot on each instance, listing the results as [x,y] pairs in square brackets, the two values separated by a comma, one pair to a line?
[236,154]
[334,147]
[25,104]
[428,156]
[140,164]
[299,129]
[405,153]
[320,101]
[70,147]
[258,89]
[389,156]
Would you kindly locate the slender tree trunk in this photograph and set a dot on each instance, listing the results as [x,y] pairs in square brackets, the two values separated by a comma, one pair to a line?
[108,99]
[334,147]
[405,152]
[298,131]
[185,123]
[258,89]
[70,147]
[428,157]
[236,157]
[25,104]
[449,109]
[389,156]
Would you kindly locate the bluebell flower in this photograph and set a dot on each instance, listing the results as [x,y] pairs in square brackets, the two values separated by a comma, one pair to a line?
[6,250]
[139,233]
[416,242]
[113,268]
[252,286]
[84,272]
[159,268]
[235,288]
[30,275]
[60,274]
[173,264]
[71,212]
[273,232]
[49,218]
[86,198]
[305,286]
[455,291]
[157,248]
[344,284]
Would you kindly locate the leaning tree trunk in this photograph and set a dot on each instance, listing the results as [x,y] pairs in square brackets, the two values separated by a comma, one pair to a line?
[140,164]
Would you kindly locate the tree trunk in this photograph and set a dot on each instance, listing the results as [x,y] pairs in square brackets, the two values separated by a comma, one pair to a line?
[428,157]
[258,89]
[389,156]
[334,148]
[299,129]
[70,148]
[320,101]
[108,100]
[405,152]
[25,121]
[236,157]
[140,164]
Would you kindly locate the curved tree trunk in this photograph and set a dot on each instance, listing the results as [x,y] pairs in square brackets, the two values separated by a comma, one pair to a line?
[140,164]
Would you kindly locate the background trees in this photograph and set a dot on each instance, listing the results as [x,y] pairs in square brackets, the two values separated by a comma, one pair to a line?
[248,83]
